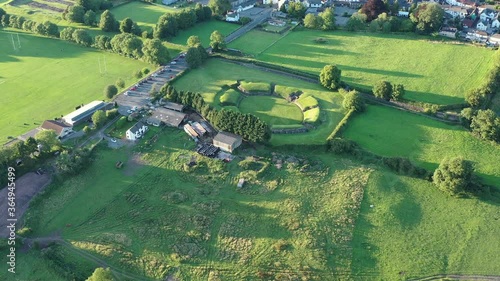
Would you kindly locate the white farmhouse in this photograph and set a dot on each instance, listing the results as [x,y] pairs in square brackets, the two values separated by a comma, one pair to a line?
[137,131]
[232,17]
[488,15]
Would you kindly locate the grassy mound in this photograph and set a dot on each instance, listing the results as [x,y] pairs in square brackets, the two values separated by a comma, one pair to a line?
[255,87]
[306,102]
[284,91]
[311,115]
[232,108]
[230,97]
[292,126]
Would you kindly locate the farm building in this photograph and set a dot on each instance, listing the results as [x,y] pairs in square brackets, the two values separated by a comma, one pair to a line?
[136,131]
[200,130]
[190,131]
[85,112]
[167,117]
[227,141]
[60,128]
[232,17]
[173,106]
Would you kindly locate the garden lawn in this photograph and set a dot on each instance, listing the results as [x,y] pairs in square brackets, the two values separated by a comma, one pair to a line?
[47,78]
[391,132]
[203,30]
[248,43]
[211,76]
[146,15]
[272,110]
[408,229]
[306,102]
[430,71]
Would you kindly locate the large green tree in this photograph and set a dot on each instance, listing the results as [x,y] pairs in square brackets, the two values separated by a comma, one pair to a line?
[47,139]
[219,7]
[127,44]
[313,22]
[328,18]
[126,25]
[90,18]
[82,37]
[330,77]
[193,41]
[353,101]
[398,92]
[454,176]
[110,91]
[486,125]
[99,118]
[428,17]
[155,52]
[108,22]
[166,27]
[217,41]
[296,10]
[193,58]
[383,90]
[75,14]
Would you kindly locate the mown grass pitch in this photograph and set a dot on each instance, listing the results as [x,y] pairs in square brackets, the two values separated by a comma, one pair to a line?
[204,30]
[391,132]
[47,78]
[430,71]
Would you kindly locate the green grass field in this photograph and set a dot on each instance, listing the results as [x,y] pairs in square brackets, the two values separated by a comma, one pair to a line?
[272,110]
[230,97]
[431,72]
[153,216]
[47,78]
[249,45]
[414,230]
[203,30]
[390,132]
[146,15]
[211,76]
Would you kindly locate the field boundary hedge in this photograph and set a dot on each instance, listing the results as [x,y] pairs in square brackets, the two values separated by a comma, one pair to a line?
[340,126]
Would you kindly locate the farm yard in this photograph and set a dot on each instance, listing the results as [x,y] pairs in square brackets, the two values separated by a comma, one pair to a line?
[214,74]
[28,99]
[431,72]
[422,140]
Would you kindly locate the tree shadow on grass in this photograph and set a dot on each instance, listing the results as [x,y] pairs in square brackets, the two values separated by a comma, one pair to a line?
[40,47]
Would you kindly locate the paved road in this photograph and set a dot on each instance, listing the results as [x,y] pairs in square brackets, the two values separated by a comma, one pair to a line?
[258,19]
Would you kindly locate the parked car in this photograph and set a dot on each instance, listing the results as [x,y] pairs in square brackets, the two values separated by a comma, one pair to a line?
[129,111]
[113,140]
[173,62]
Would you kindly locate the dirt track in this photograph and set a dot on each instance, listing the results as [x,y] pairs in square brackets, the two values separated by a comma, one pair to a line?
[27,186]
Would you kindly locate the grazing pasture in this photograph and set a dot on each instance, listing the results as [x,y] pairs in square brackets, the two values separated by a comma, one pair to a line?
[312,115]
[47,78]
[249,45]
[230,97]
[408,229]
[212,75]
[431,71]
[391,132]
[157,217]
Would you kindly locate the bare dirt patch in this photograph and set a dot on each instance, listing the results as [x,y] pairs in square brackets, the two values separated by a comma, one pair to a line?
[133,164]
[27,186]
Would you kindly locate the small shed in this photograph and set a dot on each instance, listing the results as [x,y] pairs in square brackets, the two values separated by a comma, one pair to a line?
[227,141]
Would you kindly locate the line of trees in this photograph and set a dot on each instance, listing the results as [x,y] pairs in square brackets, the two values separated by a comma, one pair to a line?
[484,124]
[482,96]
[385,90]
[169,24]
[376,15]
[248,126]
[46,28]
